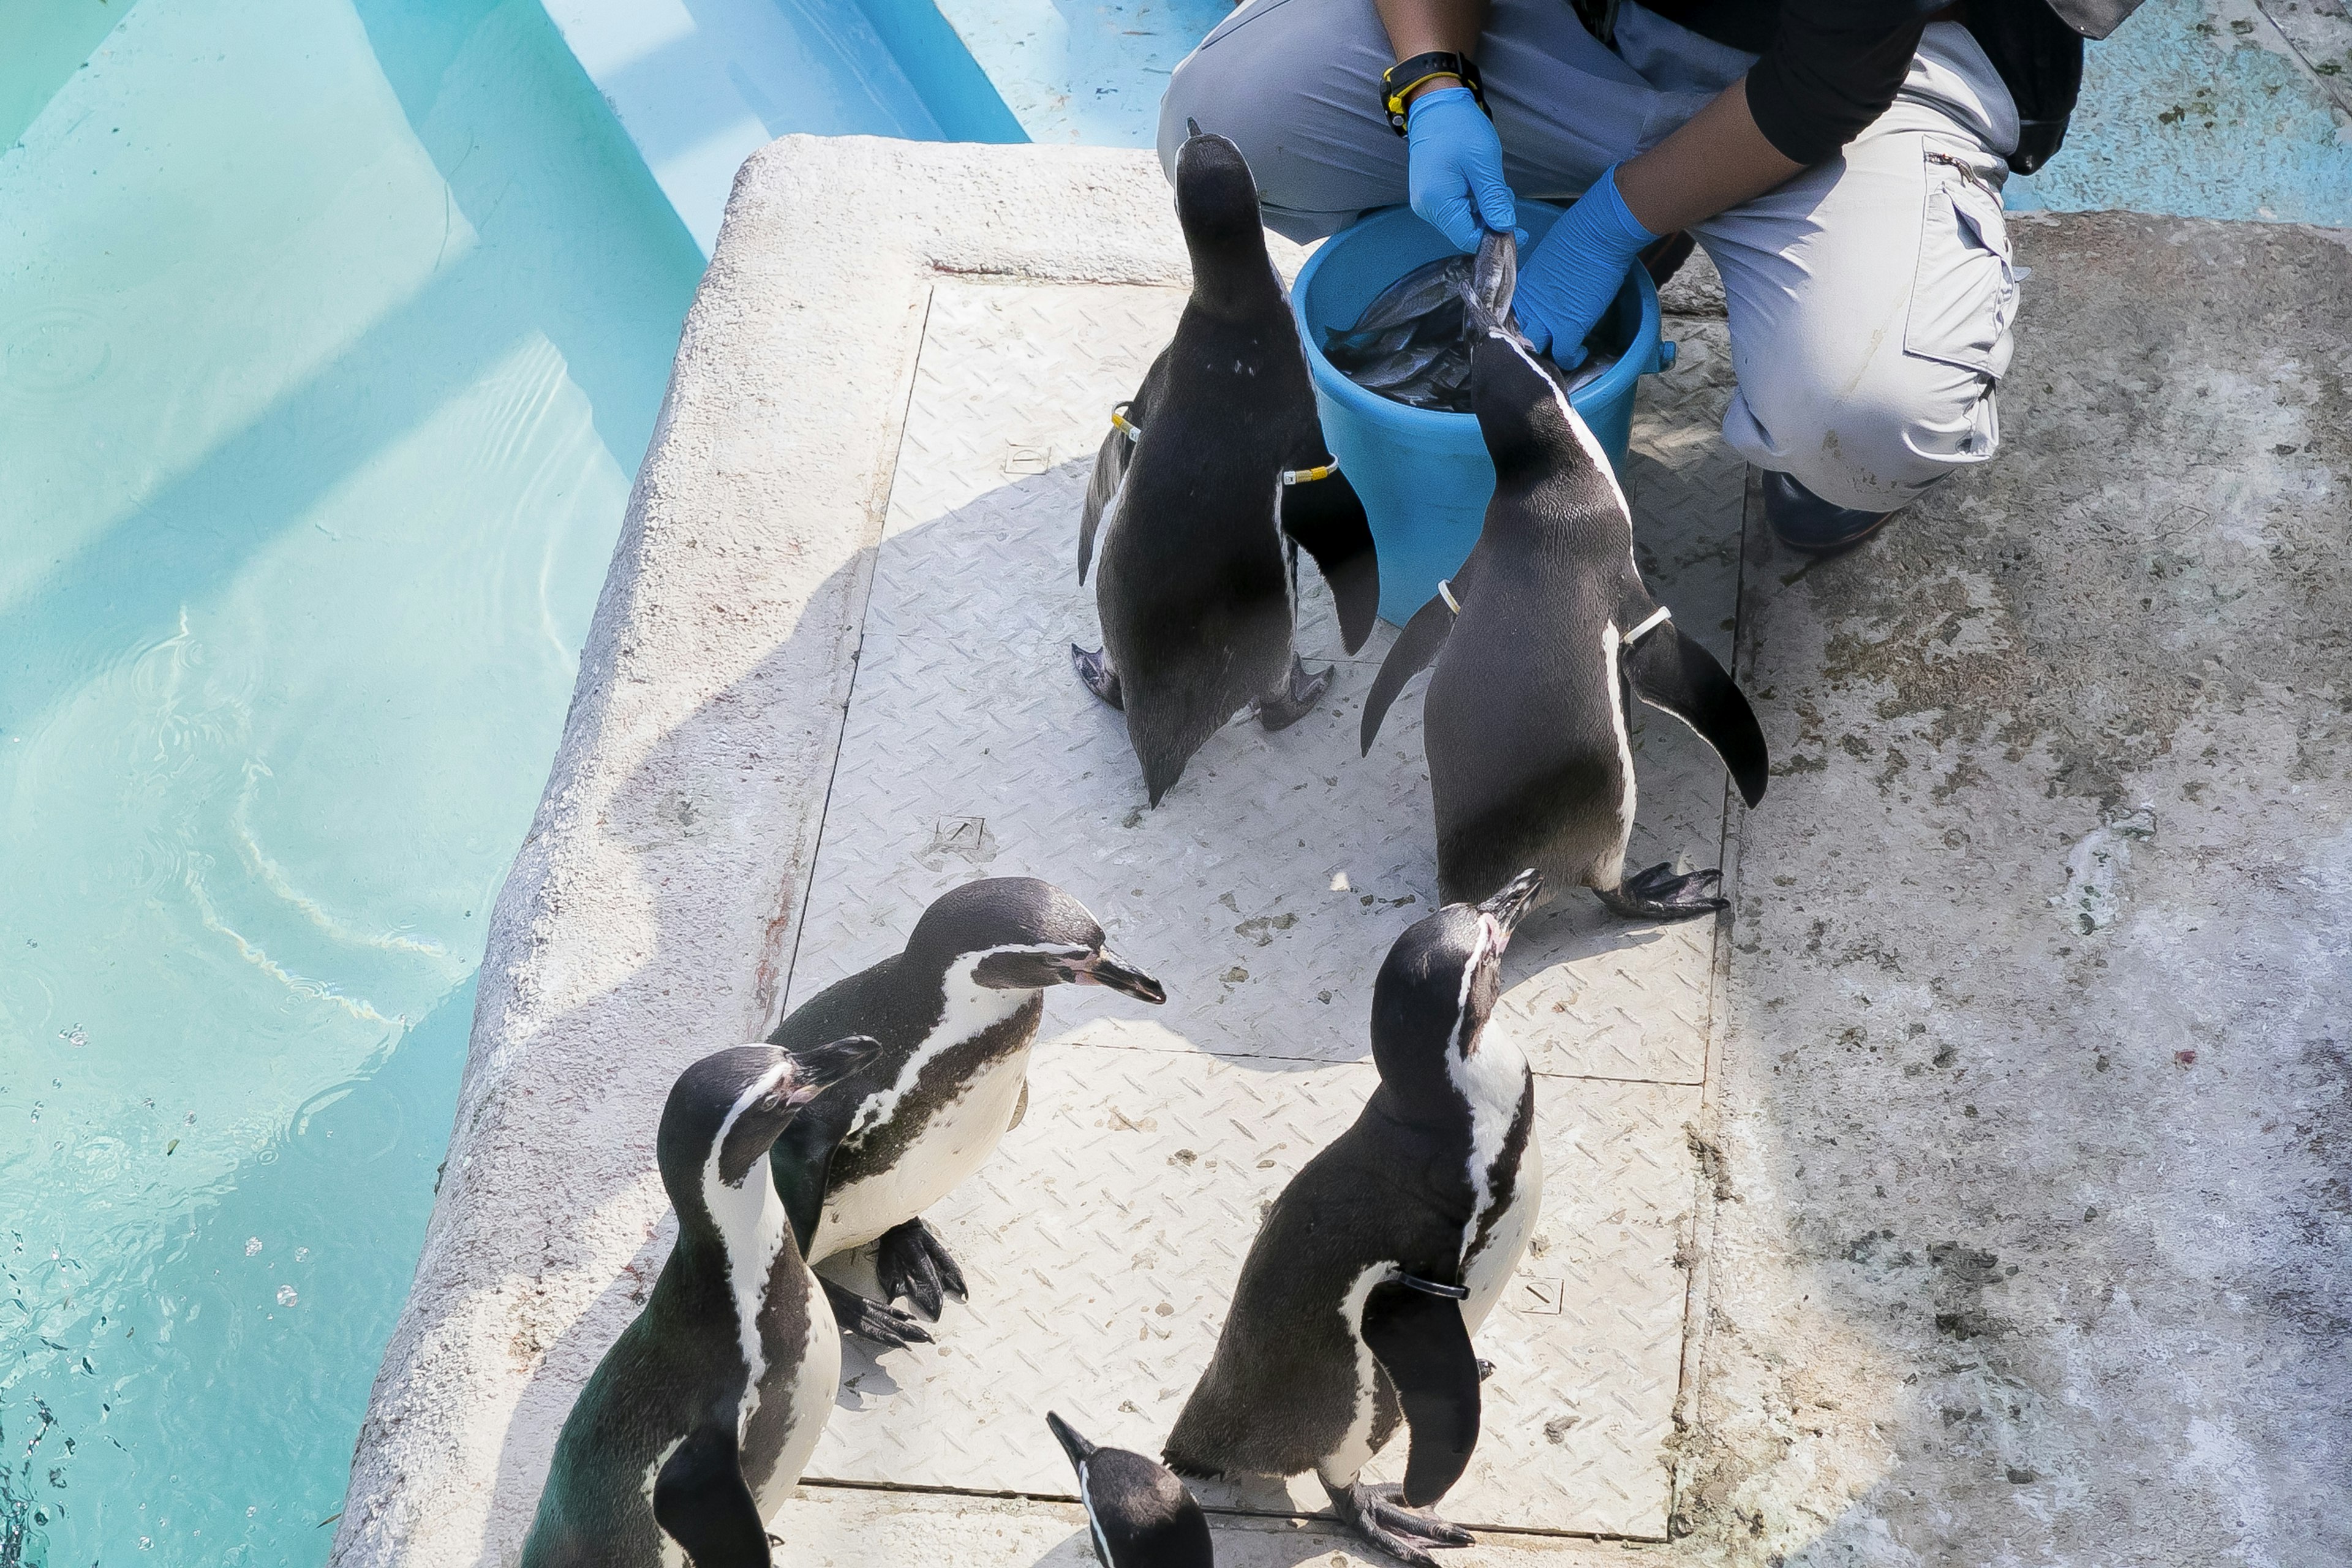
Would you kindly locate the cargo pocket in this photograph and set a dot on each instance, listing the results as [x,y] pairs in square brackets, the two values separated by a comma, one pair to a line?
[1965,293]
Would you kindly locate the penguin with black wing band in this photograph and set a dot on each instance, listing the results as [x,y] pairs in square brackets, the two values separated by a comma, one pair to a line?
[1380,1259]
[1542,641]
[694,1428]
[1216,462]
[1139,1515]
[956,1013]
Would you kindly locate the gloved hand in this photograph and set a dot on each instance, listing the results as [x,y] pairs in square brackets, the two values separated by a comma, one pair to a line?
[1567,284]
[1453,167]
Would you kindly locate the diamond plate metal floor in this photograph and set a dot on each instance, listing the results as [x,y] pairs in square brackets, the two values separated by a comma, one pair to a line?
[1103,1240]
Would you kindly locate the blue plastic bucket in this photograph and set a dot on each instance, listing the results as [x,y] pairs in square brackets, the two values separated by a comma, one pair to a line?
[1424,476]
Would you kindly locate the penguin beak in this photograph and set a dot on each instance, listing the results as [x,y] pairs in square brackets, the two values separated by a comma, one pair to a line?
[1107,968]
[819,1067]
[1076,1447]
[1518,895]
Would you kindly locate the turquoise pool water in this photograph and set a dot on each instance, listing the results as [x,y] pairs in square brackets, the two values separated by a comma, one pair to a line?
[330,335]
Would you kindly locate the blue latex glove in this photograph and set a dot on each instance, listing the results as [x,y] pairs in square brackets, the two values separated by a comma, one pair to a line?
[1567,284]
[1453,167]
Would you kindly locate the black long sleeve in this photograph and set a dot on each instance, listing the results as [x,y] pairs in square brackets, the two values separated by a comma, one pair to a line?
[1830,68]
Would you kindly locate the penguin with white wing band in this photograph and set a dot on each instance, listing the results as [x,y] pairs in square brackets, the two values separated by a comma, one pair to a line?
[1542,641]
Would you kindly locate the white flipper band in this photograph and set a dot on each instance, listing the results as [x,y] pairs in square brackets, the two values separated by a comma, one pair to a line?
[1657,618]
[1445,592]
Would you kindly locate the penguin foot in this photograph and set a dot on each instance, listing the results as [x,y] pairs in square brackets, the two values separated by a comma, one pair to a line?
[1096,674]
[912,1262]
[1658,894]
[1281,710]
[1392,1527]
[1485,1369]
[873,1320]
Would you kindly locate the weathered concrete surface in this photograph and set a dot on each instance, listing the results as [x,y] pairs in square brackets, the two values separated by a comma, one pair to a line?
[2032,1160]
[648,914]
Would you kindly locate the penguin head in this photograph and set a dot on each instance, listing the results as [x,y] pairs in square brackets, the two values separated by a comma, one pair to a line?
[1439,985]
[1017,933]
[1140,1515]
[1216,203]
[727,1109]
[1521,409]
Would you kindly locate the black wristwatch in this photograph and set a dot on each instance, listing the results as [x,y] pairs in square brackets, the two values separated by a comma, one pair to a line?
[1405,75]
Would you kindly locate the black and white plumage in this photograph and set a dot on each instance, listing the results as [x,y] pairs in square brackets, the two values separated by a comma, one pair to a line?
[1358,1301]
[956,1013]
[1190,504]
[1524,722]
[697,1423]
[1139,1514]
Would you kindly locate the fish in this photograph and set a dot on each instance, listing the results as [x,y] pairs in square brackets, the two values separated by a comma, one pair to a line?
[1412,343]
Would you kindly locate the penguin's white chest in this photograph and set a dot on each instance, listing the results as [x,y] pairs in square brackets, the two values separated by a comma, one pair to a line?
[1494,1079]
[815,1381]
[955,1140]
[1489,1269]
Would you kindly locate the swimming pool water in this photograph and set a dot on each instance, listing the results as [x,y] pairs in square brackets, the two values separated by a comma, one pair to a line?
[330,335]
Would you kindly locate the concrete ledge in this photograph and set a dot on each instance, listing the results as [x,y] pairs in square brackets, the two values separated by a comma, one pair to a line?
[650,914]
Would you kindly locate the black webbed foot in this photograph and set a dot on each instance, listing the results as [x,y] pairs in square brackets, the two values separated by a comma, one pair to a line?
[872,1320]
[1485,1369]
[1096,674]
[912,1262]
[1659,894]
[1281,710]
[1394,1529]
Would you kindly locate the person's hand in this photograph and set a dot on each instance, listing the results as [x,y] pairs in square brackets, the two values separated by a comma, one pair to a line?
[1567,284]
[1453,167]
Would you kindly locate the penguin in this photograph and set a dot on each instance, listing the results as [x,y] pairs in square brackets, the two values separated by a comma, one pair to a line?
[1384,1256]
[1138,1514]
[1216,460]
[1541,641]
[697,1423]
[956,1013]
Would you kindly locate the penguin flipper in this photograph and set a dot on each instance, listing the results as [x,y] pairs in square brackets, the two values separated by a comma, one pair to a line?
[1423,1345]
[1326,518]
[1679,675]
[702,1503]
[1112,457]
[1102,493]
[1423,636]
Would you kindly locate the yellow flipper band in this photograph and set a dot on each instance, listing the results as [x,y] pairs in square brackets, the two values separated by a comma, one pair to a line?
[1308,476]
[1121,423]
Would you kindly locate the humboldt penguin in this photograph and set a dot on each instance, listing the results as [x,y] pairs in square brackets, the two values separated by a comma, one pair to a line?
[1541,641]
[1384,1256]
[1138,1514]
[956,1013]
[1217,460]
[695,1426]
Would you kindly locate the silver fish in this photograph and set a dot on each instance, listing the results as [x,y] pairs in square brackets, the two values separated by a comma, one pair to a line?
[1412,344]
